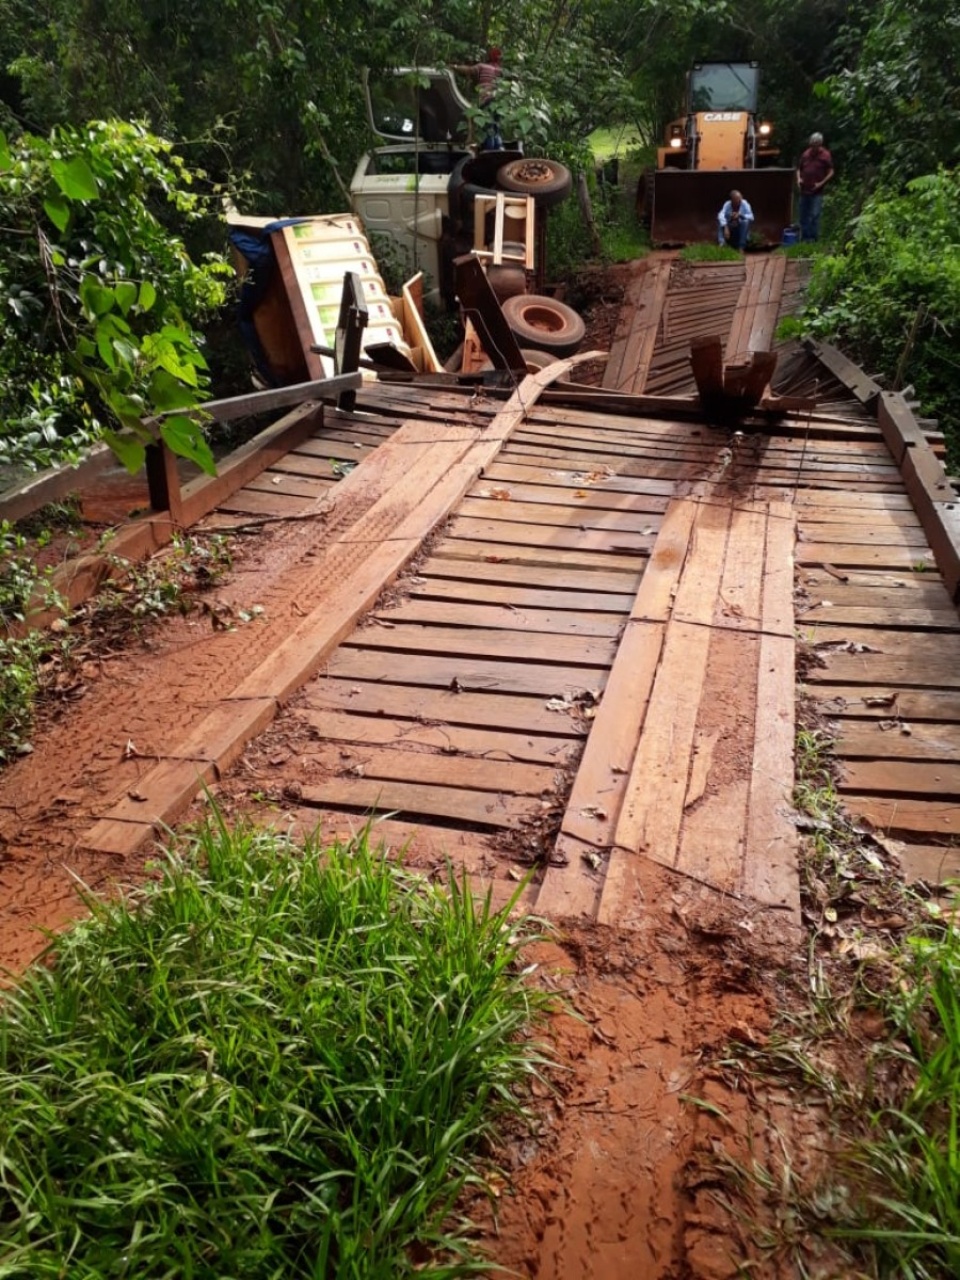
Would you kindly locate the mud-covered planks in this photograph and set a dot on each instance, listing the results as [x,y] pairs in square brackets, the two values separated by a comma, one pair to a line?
[884,645]
[691,760]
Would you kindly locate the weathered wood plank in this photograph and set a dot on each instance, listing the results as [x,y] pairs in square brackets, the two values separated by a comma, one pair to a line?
[376,763]
[472,642]
[442,707]
[503,616]
[908,817]
[466,674]
[454,740]
[411,801]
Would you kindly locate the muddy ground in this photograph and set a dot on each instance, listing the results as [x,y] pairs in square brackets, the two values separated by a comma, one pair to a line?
[639,1162]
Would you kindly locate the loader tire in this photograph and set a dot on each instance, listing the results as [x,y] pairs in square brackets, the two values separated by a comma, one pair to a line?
[544,324]
[547,181]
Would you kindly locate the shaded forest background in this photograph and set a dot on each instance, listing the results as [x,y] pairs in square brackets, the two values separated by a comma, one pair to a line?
[124,124]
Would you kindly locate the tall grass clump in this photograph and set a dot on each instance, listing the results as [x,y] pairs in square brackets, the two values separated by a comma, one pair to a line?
[274,1062]
[911,1165]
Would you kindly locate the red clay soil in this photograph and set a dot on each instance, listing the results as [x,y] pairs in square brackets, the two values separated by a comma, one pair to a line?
[624,1178]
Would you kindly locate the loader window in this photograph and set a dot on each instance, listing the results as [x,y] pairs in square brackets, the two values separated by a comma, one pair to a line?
[724,86]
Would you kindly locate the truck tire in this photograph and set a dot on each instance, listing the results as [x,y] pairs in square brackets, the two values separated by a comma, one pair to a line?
[547,181]
[544,324]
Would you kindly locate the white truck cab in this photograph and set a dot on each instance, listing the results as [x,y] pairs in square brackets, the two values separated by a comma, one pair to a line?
[418,188]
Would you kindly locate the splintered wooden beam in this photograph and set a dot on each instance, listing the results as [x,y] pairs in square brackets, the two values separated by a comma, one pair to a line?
[706,359]
[732,387]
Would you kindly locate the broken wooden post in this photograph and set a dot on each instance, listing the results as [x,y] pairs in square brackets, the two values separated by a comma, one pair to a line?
[350,327]
[163,479]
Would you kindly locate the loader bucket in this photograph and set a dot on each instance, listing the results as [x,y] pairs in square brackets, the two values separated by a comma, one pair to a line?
[686,203]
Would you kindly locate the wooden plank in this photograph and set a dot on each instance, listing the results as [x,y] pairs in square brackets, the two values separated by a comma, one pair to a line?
[778,571]
[504,616]
[454,740]
[435,591]
[515,511]
[933,864]
[843,556]
[921,645]
[698,589]
[467,674]
[899,740]
[572,882]
[376,763]
[650,818]
[29,495]
[411,801]
[766,316]
[612,577]
[570,538]
[888,702]
[888,534]
[442,707]
[738,602]
[584,497]
[509,553]
[841,614]
[770,850]
[907,817]
[600,784]
[892,777]
[633,368]
[706,363]
[856,500]
[401,639]
[161,795]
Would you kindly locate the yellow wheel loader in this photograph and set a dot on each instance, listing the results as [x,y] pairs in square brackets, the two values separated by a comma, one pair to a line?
[721,144]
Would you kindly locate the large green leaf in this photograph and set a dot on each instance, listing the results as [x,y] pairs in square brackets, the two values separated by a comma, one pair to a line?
[74,178]
[128,449]
[167,393]
[126,293]
[148,296]
[6,160]
[185,437]
[97,299]
[58,211]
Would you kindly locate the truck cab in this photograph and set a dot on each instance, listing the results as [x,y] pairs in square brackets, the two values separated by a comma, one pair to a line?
[417,188]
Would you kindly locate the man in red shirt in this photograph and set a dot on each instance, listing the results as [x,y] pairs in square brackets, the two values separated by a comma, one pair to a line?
[486,74]
[813,173]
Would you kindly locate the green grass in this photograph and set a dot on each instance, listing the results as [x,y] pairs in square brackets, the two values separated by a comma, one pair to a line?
[709,253]
[274,1062]
[910,1214]
[617,140]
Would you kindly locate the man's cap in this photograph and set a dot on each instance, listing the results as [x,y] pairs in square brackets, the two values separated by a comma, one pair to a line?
[816,139]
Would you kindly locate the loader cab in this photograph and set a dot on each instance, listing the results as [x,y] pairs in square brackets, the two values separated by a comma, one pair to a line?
[722,129]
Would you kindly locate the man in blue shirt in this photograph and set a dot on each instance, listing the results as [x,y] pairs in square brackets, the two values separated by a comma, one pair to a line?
[734,221]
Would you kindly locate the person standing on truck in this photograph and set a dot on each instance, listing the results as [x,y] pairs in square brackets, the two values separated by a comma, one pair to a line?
[813,173]
[486,74]
[734,222]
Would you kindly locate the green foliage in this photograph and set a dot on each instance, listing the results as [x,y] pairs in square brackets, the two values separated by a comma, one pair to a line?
[21,651]
[98,298]
[911,1165]
[892,294]
[276,1061]
[895,96]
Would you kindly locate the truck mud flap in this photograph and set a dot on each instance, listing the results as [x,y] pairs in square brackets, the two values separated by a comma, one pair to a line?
[686,203]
